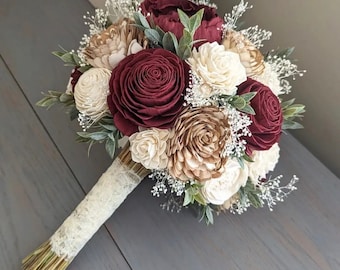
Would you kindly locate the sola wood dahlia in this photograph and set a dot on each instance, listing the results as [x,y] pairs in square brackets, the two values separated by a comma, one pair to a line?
[109,47]
[196,142]
[100,203]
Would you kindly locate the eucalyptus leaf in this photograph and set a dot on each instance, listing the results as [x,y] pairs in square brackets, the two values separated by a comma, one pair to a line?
[248,96]
[187,198]
[248,109]
[47,102]
[98,136]
[65,97]
[254,200]
[68,58]
[290,124]
[76,59]
[186,38]
[287,103]
[184,47]
[153,35]
[112,136]
[140,19]
[184,18]
[241,162]
[110,147]
[160,32]
[169,43]
[247,158]
[73,112]
[195,21]
[82,69]
[108,127]
[199,198]
[58,54]
[209,215]
[238,102]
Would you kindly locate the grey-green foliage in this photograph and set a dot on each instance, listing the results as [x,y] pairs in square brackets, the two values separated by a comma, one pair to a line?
[168,40]
[292,111]
[102,132]
[52,98]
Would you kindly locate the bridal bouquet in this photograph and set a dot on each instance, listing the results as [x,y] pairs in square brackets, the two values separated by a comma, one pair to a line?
[200,108]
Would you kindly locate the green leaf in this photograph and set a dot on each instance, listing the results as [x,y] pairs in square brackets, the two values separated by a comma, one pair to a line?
[65,97]
[209,215]
[248,109]
[187,198]
[195,21]
[254,199]
[110,147]
[184,47]
[108,127]
[238,102]
[47,102]
[241,162]
[67,58]
[170,42]
[82,69]
[248,96]
[290,124]
[206,213]
[160,32]
[247,158]
[76,59]
[153,35]
[199,198]
[96,136]
[287,103]
[73,112]
[184,18]
[141,20]
[293,110]
[90,147]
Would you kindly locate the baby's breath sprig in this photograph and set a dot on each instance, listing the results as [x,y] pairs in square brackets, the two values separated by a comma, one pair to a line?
[231,19]
[256,35]
[272,192]
[283,67]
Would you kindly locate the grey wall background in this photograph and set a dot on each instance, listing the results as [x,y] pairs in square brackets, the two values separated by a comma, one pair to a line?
[312,27]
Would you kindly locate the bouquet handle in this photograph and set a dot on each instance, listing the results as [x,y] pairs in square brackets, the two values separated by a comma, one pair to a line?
[112,188]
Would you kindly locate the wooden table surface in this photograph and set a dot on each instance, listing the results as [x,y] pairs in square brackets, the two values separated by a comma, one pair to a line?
[44,174]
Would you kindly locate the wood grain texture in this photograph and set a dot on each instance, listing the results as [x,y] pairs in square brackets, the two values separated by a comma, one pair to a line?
[26,45]
[37,189]
[302,233]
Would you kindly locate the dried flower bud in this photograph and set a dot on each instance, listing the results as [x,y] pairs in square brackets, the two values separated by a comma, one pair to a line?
[108,48]
[196,142]
[250,57]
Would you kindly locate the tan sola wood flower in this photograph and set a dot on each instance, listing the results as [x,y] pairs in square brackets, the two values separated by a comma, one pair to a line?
[109,47]
[196,143]
[250,57]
